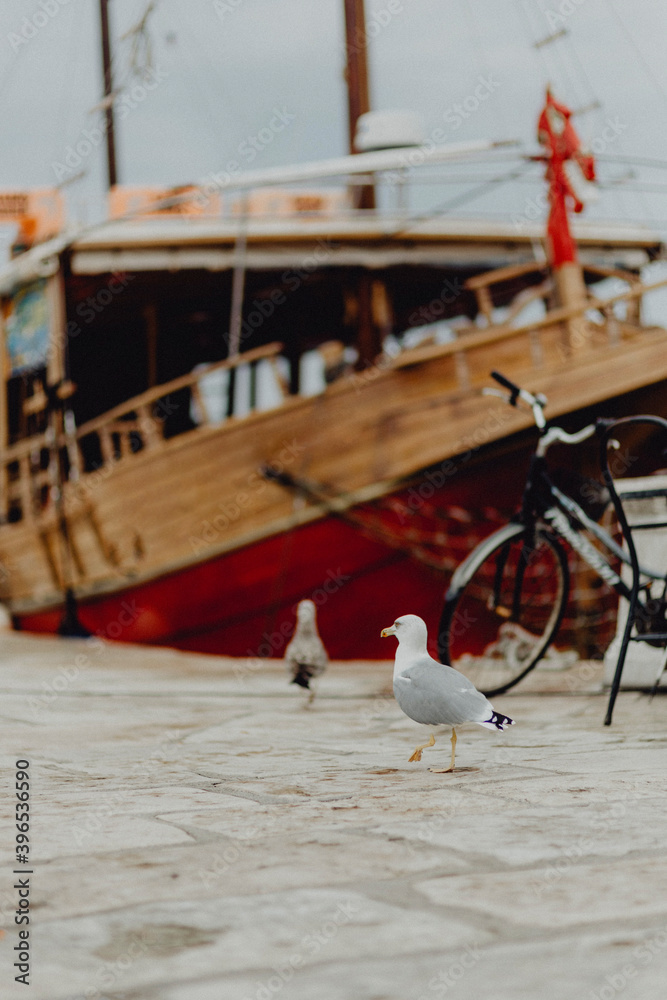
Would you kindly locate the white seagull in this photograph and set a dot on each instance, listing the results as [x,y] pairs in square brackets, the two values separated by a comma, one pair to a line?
[433,693]
[305,656]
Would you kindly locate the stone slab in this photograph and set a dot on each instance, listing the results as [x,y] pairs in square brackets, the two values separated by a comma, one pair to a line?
[197,833]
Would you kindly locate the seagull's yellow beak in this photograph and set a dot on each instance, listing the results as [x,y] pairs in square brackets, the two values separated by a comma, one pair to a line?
[388,631]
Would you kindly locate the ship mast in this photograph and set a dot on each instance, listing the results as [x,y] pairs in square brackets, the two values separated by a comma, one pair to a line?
[108,94]
[369,339]
[356,77]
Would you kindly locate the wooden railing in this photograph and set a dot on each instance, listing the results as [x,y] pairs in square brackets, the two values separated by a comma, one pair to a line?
[468,341]
[481,284]
[34,470]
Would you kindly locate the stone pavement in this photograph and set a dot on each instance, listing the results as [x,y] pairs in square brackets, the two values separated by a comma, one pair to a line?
[198,834]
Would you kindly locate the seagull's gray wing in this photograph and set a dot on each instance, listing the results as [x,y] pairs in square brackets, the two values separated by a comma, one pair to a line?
[306,653]
[435,694]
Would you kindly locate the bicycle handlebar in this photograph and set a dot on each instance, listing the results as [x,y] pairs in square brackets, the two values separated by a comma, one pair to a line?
[558,434]
[536,403]
[504,381]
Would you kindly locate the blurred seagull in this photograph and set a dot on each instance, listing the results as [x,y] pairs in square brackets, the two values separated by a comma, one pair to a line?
[305,656]
[433,693]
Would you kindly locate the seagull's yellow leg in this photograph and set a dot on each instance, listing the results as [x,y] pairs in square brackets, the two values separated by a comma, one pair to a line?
[417,755]
[446,770]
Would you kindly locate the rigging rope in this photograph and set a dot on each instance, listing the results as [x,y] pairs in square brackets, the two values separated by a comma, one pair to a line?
[444,207]
[67,93]
[638,53]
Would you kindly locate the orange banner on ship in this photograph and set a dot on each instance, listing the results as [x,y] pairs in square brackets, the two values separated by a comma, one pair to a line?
[39,213]
[142,202]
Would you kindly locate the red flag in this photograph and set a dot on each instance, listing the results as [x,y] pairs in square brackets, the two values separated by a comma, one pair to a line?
[557,133]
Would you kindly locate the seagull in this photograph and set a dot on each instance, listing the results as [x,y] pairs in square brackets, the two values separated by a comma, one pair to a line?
[305,656]
[434,693]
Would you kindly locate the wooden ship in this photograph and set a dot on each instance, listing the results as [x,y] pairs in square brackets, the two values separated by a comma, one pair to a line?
[163,483]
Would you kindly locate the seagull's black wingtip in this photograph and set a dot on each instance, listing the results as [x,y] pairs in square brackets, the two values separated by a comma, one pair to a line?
[500,721]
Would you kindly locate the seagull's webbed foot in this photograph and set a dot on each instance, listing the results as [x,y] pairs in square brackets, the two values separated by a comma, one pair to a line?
[417,755]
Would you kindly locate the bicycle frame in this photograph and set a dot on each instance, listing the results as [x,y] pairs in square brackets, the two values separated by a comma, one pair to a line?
[546,518]
[543,501]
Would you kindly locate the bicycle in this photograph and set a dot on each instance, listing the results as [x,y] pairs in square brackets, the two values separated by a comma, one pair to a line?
[506,600]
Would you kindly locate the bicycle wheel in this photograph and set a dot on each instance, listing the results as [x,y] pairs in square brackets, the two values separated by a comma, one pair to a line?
[504,605]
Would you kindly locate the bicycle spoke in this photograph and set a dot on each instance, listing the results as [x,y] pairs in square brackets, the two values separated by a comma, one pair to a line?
[504,614]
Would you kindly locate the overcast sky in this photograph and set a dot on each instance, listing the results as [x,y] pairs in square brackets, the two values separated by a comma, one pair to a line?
[223,69]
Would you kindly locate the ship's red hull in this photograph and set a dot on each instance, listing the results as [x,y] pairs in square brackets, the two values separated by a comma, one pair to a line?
[396,558]
[361,576]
